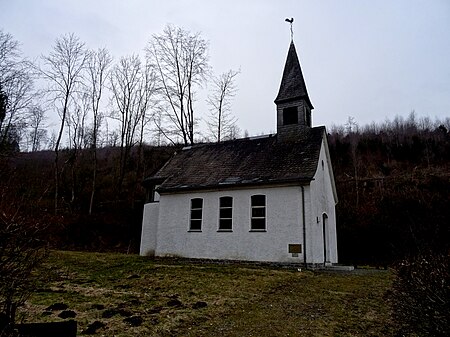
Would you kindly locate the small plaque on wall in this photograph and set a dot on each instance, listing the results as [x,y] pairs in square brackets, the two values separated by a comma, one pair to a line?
[295,248]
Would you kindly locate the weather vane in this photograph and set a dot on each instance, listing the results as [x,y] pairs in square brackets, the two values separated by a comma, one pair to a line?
[291,20]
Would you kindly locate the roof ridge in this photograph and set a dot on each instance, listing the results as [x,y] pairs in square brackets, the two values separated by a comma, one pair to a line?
[198,145]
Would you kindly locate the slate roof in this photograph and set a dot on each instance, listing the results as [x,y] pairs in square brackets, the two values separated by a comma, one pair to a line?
[292,85]
[242,162]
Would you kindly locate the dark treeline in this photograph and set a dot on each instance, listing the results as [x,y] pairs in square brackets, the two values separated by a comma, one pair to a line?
[392,181]
[113,223]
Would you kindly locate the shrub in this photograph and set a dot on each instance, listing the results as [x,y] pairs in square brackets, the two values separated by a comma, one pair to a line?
[21,252]
[420,295]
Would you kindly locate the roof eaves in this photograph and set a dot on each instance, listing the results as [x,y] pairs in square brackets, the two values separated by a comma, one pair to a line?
[294,98]
[244,183]
[152,181]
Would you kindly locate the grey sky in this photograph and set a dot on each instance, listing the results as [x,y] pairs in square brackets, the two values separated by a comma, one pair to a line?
[368,59]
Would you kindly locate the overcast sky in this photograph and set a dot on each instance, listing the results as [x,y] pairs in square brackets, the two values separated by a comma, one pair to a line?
[371,60]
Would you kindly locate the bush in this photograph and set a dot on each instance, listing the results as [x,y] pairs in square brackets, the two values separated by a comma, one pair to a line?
[420,295]
[21,253]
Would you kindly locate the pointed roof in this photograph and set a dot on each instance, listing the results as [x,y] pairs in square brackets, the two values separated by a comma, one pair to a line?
[293,85]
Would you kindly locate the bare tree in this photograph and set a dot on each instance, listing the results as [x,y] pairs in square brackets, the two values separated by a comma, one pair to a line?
[63,69]
[125,83]
[16,90]
[221,122]
[3,104]
[98,70]
[352,131]
[181,61]
[147,90]
[76,122]
[76,129]
[37,133]
[158,129]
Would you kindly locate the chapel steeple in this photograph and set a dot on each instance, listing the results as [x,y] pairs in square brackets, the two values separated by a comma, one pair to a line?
[293,103]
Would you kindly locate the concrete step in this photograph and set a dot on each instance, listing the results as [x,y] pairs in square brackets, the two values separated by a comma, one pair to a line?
[336,267]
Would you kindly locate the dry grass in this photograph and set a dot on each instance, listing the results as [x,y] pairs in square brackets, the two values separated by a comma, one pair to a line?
[177,298]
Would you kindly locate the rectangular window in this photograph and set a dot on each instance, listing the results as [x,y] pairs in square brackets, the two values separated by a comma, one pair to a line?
[196,214]
[258,215]
[290,115]
[225,214]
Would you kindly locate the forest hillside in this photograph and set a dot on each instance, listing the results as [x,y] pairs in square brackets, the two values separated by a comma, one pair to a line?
[393,183]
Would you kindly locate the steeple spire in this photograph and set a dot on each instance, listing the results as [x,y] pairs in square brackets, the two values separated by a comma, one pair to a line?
[293,85]
[293,103]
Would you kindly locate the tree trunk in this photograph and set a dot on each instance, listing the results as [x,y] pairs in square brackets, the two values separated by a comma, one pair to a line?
[94,179]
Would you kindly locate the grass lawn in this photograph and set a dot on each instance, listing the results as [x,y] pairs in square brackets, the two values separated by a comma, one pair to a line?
[129,295]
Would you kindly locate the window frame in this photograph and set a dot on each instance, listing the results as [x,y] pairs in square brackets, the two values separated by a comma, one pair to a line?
[307,113]
[195,209]
[253,218]
[221,207]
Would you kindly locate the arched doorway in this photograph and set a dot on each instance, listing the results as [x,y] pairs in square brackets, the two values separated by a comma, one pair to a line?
[325,238]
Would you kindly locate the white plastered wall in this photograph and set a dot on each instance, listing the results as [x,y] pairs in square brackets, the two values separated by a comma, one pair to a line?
[322,202]
[283,223]
[149,229]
